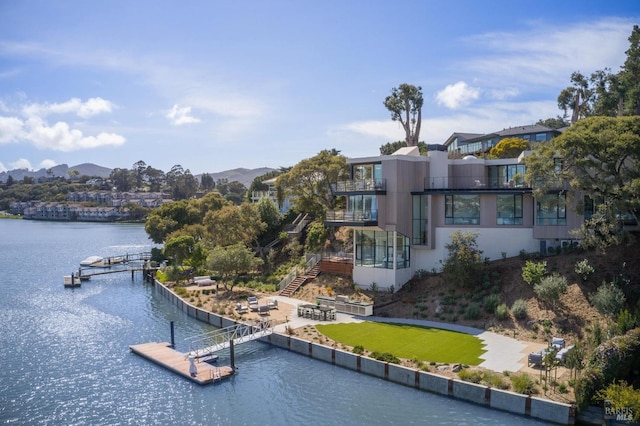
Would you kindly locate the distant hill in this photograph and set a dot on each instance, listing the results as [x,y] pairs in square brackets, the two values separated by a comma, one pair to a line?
[244,176]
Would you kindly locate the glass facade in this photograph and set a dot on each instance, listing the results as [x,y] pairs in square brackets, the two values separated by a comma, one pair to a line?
[552,210]
[363,207]
[420,220]
[462,210]
[375,249]
[367,172]
[509,209]
[509,176]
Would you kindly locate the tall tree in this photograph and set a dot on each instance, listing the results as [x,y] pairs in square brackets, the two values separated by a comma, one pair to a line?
[139,168]
[206,182]
[598,156]
[232,261]
[631,74]
[576,97]
[405,105]
[310,182]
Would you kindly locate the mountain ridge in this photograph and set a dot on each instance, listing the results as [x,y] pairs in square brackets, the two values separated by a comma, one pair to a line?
[240,174]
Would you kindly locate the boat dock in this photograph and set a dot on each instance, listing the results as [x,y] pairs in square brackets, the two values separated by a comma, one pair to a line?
[164,355]
[201,347]
[138,262]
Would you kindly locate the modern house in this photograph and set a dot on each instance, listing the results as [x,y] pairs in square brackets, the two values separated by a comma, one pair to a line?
[272,194]
[403,208]
[476,143]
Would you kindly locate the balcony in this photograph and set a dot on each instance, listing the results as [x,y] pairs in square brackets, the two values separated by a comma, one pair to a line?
[352,218]
[376,186]
[474,183]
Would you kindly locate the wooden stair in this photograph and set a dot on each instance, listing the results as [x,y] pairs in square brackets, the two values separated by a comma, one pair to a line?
[299,281]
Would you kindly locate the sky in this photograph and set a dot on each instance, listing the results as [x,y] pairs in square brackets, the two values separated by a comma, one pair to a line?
[218,85]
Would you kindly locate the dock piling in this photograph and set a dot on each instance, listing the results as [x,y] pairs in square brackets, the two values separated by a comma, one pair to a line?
[173,337]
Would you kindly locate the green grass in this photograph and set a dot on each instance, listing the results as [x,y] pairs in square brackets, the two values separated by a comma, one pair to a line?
[406,341]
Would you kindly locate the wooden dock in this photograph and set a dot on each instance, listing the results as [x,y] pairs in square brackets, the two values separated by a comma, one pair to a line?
[167,357]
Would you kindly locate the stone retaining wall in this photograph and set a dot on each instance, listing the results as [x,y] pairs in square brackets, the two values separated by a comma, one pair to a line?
[524,405]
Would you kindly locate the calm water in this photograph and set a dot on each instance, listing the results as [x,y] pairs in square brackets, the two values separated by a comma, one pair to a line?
[65,357]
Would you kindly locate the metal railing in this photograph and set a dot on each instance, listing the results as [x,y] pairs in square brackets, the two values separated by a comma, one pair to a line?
[208,343]
[360,185]
[352,215]
[474,183]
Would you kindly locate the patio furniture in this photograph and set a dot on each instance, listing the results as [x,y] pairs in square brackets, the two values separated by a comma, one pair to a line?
[535,358]
[253,303]
[557,342]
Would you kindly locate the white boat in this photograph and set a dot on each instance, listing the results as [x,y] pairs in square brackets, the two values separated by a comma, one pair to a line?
[92,261]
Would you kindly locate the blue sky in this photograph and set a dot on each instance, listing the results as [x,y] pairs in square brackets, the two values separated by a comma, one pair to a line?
[216,85]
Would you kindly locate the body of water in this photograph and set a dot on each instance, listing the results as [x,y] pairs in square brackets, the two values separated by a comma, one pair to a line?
[66,359]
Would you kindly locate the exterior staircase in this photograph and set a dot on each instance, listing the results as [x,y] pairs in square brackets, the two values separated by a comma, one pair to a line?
[300,280]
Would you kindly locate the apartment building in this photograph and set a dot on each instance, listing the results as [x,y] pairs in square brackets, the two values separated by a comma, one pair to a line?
[403,208]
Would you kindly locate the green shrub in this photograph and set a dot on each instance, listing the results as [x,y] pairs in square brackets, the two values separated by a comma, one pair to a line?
[613,360]
[551,288]
[358,350]
[473,376]
[608,299]
[533,272]
[473,312]
[524,384]
[502,312]
[625,321]
[386,357]
[622,396]
[519,309]
[491,302]
[584,269]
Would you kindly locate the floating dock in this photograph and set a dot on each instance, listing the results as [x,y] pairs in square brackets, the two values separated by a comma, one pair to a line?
[164,355]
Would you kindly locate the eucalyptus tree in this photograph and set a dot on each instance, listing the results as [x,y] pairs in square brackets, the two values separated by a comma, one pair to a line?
[405,104]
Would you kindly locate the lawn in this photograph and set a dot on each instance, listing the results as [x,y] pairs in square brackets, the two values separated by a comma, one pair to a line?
[407,341]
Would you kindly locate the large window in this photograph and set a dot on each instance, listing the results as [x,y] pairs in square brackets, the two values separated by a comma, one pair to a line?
[509,176]
[375,249]
[509,209]
[462,209]
[552,210]
[420,221]
[367,172]
[363,207]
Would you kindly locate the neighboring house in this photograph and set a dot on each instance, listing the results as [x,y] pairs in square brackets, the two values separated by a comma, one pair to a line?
[272,194]
[403,208]
[476,143]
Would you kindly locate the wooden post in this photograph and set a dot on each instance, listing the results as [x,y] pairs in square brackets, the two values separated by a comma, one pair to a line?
[173,337]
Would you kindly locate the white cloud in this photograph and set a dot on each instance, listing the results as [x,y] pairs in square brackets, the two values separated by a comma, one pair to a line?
[11,129]
[60,137]
[2,167]
[91,107]
[540,55]
[181,115]
[457,95]
[47,164]
[22,163]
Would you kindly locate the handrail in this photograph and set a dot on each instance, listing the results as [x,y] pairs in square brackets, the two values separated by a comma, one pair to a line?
[204,344]
[288,279]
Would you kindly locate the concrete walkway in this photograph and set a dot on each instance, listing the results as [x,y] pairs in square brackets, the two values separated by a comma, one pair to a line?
[502,353]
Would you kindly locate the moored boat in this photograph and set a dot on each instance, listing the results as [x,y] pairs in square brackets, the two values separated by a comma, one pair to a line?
[92,261]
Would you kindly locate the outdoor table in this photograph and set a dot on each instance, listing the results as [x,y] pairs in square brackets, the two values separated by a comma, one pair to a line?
[320,311]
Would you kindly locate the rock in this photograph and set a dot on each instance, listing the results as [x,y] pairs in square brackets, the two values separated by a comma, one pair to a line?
[456,367]
[443,368]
